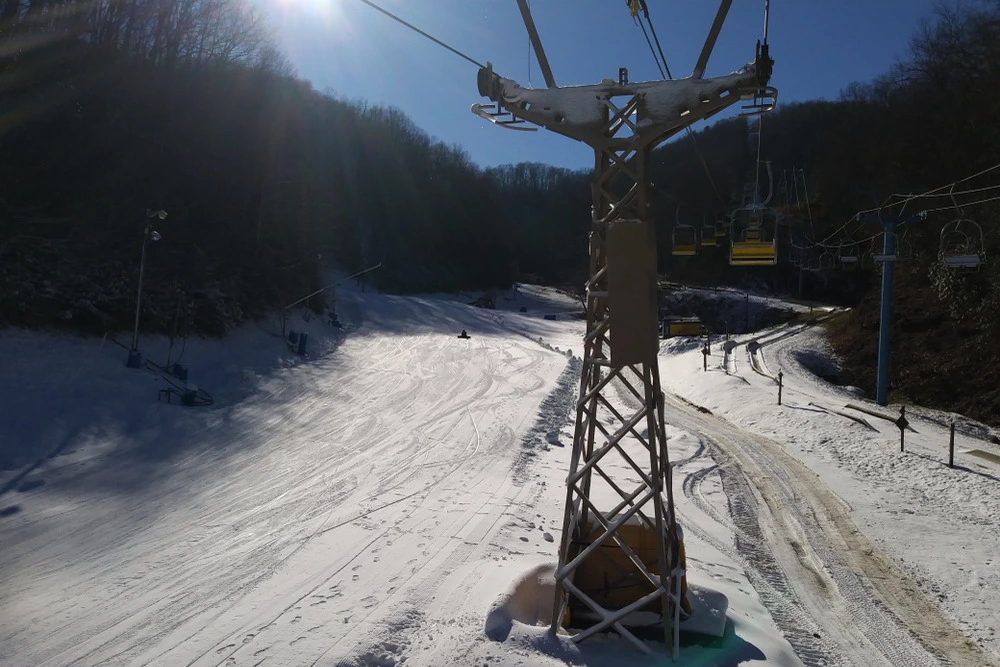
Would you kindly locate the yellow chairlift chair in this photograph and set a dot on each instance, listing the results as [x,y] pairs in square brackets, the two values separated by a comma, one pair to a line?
[754,242]
[685,241]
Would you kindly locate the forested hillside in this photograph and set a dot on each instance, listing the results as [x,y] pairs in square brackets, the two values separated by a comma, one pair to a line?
[928,124]
[114,108]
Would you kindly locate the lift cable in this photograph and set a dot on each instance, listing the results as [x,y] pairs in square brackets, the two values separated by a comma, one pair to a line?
[655,58]
[657,40]
[674,198]
[947,190]
[704,165]
[760,122]
[941,191]
[636,6]
[952,193]
[906,198]
[832,246]
[418,30]
[640,5]
[952,207]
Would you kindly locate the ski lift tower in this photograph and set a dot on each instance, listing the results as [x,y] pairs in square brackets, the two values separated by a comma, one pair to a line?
[623,122]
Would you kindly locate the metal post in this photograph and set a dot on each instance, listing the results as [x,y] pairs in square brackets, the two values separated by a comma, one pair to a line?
[802,260]
[889,250]
[138,298]
[951,446]
[746,328]
[134,358]
[902,423]
[780,376]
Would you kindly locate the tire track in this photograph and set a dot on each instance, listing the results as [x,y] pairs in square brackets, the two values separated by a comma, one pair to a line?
[766,576]
[798,537]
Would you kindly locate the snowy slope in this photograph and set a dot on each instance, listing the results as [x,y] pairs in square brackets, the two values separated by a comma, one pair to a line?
[367,505]
[373,503]
[937,524]
[346,478]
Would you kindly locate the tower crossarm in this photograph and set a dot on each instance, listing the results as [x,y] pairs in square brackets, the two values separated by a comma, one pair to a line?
[662,109]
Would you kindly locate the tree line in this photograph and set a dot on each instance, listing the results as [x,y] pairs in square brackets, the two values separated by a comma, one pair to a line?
[114,107]
[927,122]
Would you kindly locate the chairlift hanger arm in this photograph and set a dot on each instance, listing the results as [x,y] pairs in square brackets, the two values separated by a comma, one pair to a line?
[770,183]
[713,35]
[536,43]
[765,64]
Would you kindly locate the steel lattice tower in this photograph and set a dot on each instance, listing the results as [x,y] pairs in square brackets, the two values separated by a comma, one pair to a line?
[623,123]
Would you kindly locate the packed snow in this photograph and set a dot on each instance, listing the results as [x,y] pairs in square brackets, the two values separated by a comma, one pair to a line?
[937,523]
[388,498]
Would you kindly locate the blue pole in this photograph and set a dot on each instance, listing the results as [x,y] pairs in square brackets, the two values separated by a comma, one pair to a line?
[889,250]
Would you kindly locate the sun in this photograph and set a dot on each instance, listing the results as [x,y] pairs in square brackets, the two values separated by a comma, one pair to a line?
[330,12]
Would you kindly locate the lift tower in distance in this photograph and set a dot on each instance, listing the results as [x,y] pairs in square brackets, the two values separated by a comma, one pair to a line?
[602,575]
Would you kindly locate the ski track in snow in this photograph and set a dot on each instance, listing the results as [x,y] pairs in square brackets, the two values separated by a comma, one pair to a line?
[883,575]
[350,511]
[275,534]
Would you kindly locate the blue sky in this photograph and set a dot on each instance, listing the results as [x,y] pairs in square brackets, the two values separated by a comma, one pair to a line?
[355,52]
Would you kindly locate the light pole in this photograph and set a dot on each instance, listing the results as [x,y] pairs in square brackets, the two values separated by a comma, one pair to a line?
[149,234]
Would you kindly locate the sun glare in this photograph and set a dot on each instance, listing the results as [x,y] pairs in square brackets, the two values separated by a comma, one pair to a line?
[330,12]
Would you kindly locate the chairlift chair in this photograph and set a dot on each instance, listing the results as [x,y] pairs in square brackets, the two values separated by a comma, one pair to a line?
[685,241]
[847,256]
[721,228]
[849,262]
[754,242]
[827,261]
[708,236]
[962,245]
[811,262]
[865,259]
[903,249]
